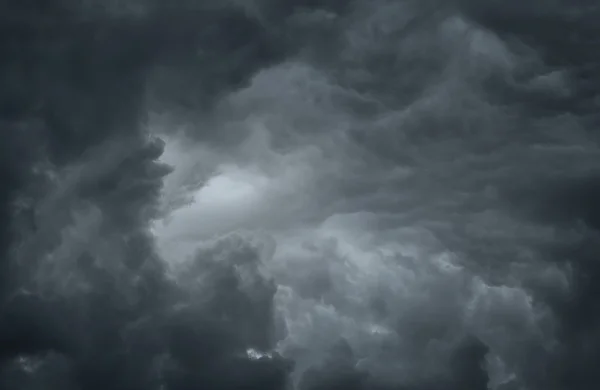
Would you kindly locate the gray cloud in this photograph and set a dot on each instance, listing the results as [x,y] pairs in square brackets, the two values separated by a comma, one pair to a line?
[309,195]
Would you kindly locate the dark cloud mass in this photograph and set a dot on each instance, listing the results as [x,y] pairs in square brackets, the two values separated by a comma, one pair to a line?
[299,195]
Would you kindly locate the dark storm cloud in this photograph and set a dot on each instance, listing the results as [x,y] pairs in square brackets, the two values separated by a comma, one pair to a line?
[563,35]
[85,300]
[426,174]
[571,204]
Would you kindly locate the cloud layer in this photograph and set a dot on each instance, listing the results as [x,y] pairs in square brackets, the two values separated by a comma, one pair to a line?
[311,195]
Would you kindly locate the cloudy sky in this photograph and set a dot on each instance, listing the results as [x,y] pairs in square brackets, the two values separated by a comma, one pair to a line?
[299,195]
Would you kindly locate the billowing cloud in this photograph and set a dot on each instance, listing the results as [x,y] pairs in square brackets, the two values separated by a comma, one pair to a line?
[309,195]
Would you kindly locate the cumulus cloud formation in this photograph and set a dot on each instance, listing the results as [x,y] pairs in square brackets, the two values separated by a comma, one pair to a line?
[302,195]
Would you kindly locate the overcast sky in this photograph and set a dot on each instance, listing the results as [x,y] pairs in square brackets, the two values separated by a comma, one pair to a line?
[299,195]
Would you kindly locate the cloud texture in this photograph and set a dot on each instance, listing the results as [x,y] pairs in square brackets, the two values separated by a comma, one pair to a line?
[301,195]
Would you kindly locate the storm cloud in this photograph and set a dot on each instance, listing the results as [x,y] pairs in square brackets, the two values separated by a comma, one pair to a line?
[382,195]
